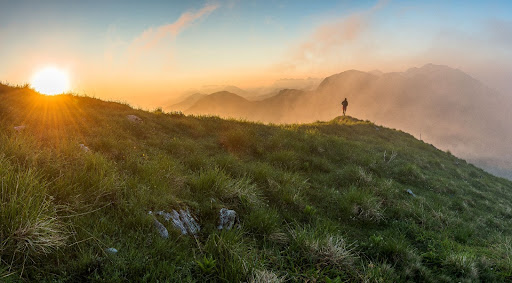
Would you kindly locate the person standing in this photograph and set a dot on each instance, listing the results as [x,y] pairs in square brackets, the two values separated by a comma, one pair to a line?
[345,104]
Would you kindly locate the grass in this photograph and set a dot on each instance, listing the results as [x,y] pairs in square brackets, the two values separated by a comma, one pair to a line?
[322,202]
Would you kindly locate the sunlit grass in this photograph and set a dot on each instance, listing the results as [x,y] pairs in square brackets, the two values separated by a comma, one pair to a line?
[322,202]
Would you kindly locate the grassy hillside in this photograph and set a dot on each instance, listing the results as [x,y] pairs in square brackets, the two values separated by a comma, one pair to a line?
[323,202]
[446,106]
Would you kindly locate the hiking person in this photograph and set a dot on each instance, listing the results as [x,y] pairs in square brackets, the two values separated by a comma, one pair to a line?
[345,104]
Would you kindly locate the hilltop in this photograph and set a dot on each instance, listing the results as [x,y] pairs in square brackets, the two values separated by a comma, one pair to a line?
[335,201]
[446,106]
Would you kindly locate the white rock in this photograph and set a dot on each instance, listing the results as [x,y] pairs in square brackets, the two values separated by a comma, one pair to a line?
[189,222]
[134,118]
[84,147]
[227,219]
[175,217]
[19,128]
[111,250]
[182,220]
[161,229]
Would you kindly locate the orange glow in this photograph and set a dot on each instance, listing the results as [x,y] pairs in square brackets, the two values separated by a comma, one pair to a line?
[50,81]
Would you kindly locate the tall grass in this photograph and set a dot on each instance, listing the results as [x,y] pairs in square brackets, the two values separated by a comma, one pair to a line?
[322,202]
[29,222]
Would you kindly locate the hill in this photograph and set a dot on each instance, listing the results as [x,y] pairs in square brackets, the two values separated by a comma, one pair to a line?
[447,107]
[343,200]
[227,102]
[187,102]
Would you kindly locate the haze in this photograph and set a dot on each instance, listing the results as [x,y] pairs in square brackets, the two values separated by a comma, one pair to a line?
[154,53]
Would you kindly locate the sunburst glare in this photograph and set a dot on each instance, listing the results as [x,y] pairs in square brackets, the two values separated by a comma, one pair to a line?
[50,81]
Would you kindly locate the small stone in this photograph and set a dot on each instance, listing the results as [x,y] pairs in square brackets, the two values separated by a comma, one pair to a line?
[161,229]
[227,219]
[19,128]
[84,147]
[111,251]
[134,118]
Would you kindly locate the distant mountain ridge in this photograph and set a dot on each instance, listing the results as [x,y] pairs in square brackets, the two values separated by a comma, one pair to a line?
[446,106]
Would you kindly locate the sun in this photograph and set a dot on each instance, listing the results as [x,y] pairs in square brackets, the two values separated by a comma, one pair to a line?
[50,81]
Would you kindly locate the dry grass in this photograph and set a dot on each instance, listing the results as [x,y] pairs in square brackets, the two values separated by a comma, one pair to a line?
[265,276]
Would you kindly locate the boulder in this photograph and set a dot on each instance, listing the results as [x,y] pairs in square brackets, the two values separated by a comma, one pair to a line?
[227,219]
[134,118]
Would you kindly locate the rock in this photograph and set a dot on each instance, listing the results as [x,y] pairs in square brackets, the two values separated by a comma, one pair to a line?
[134,118]
[227,219]
[111,251]
[161,229]
[175,216]
[182,220]
[19,128]
[188,221]
[84,148]
[411,193]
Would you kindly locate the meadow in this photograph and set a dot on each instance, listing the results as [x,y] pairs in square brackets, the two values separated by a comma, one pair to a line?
[332,201]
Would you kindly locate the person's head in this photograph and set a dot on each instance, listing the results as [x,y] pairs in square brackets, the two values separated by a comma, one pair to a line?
[345,98]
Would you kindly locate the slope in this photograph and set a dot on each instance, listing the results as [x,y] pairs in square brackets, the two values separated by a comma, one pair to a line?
[343,200]
[447,107]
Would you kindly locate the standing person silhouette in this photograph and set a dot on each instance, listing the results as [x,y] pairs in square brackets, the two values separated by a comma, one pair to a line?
[345,104]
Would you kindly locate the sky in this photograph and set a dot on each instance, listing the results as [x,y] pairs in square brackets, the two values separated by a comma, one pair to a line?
[146,52]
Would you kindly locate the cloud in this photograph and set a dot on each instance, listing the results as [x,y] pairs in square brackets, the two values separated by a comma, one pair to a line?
[484,52]
[150,38]
[330,38]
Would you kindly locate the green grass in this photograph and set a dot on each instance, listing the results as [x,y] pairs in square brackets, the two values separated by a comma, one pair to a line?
[322,202]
